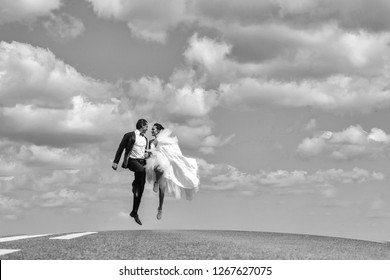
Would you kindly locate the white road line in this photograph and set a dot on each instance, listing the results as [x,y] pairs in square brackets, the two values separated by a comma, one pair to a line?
[73,235]
[19,237]
[7,251]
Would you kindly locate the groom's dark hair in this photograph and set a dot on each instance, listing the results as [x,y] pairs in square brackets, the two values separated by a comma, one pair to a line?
[159,126]
[141,123]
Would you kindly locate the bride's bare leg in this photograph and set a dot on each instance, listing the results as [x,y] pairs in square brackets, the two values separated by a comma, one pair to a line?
[158,176]
[163,184]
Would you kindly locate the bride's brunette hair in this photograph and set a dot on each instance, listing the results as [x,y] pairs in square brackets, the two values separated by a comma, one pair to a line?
[158,126]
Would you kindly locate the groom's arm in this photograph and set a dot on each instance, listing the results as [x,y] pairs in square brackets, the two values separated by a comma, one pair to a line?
[122,146]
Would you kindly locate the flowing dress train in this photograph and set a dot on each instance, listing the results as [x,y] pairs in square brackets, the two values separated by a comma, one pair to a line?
[180,172]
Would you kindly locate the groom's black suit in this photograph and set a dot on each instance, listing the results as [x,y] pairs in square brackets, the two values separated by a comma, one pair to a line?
[126,144]
[135,165]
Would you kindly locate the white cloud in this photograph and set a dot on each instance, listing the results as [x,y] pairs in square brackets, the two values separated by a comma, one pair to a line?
[44,99]
[87,116]
[153,19]
[57,179]
[244,84]
[62,198]
[330,69]
[283,178]
[152,95]
[349,14]
[51,156]
[63,27]
[51,113]
[225,177]
[6,184]
[296,40]
[10,207]
[199,136]
[330,177]
[34,76]
[81,122]
[208,53]
[210,142]
[192,102]
[184,108]
[150,20]
[77,172]
[22,10]
[7,166]
[336,93]
[351,143]
[378,136]
[9,204]
[283,51]
[312,146]
[356,175]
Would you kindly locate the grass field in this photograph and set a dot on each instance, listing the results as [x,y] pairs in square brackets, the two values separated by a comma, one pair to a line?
[196,244]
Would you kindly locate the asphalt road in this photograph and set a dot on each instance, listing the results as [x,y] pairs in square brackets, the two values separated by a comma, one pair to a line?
[194,244]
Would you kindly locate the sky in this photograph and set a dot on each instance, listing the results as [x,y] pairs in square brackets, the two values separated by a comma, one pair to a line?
[284,104]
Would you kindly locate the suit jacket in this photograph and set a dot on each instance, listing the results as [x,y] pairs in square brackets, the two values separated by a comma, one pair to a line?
[126,144]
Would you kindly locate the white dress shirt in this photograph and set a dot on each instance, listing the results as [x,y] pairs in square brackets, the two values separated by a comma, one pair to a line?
[139,147]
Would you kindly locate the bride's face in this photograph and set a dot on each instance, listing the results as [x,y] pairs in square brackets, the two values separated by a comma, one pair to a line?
[154,131]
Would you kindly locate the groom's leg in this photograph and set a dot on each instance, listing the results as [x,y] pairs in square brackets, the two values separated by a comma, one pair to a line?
[137,166]
[138,189]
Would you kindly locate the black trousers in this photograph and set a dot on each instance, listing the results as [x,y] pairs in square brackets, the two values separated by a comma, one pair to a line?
[138,167]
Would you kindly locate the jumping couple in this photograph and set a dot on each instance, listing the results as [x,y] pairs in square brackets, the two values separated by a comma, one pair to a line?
[160,161]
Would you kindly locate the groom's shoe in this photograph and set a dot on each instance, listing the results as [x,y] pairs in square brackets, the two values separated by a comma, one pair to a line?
[137,220]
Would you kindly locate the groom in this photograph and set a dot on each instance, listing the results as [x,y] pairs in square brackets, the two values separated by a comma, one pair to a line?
[134,143]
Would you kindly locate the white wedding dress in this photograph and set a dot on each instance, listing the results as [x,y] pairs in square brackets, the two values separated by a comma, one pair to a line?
[180,172]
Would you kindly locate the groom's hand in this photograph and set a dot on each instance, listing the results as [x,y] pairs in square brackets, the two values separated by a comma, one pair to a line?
[114,166]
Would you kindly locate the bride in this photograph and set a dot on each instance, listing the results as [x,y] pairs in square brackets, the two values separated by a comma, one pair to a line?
[170,171]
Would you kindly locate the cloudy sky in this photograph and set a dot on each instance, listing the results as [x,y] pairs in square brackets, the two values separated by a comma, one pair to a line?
[285,105]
